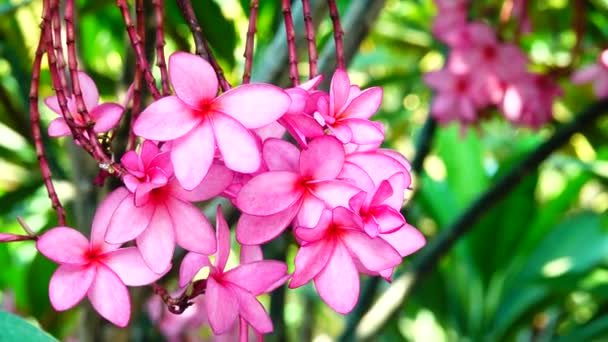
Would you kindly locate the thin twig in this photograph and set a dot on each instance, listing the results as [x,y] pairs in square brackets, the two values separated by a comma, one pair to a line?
[36,133]
[179,304]
[251,30]
[338,33]
[160,45]
[140,25]
[426,261]
[202,47]
[98,151]
[291,43]
[140,54]
[310,37]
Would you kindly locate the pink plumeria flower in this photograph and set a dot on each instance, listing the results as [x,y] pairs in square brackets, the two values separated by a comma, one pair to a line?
[157,211]
[105,116]
[595,73]
[449,25]
[96,268]
[330,254]
[457,98]
[486,56]
[376,215]
[299,120]
[529,101]
[196,121]
[299,186]
[406,240]
[348,109]
[232,293]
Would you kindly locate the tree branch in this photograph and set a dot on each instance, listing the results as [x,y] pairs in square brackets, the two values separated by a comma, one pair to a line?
[202,47]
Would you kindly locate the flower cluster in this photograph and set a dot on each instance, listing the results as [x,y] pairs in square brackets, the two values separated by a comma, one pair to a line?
[482,71]
[337,189]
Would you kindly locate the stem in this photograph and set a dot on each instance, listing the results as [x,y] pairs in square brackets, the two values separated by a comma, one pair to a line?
[386,308]
[251,30]
[138,76]
[424,144]
[310,37]
[140,55]
[160,45]
[291,43]
[202,47]
[58,76]
[338,34]
[35,126]
[98,152]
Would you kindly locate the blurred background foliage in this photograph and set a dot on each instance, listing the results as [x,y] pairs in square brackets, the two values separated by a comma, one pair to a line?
[534,268]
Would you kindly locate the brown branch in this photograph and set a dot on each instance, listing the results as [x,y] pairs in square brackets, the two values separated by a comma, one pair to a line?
[36,132]
[291,43]
[99,152]
[137,45]
[177,305]
[251,30]
[140,24]
[202,47]
[160,45]
[338,34]
[310,37]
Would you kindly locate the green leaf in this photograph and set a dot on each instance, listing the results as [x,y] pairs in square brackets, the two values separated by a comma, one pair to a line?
[594,329]
[14,328]
[462,157]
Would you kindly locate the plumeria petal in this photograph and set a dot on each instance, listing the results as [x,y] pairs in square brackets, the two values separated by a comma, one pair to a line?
[218,178]
[323,159]
[253,105]
[130,267]
[338,282]
[236,144]
[192,155]
[103,216]
[110,298]
[388,219]
[364,131]
[165,119]
[64,245]
[191,264]
[252,311]
[157,242]
[257,277]
[338,90]
[192,230]
[90,94]
[69,284]
[106,116]
[255,230]
[280,155]
[269,193]
[223,239]
[364,105]
[129,221]
[406,240]
[375,254]
[59,128]
[310,260]
[53,103]
[222,306]
[310,211]
[334,193]
[251,253]
[192,78]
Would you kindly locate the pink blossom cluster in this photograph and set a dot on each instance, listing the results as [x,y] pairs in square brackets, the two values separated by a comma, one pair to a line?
[482,71]
[335,188]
